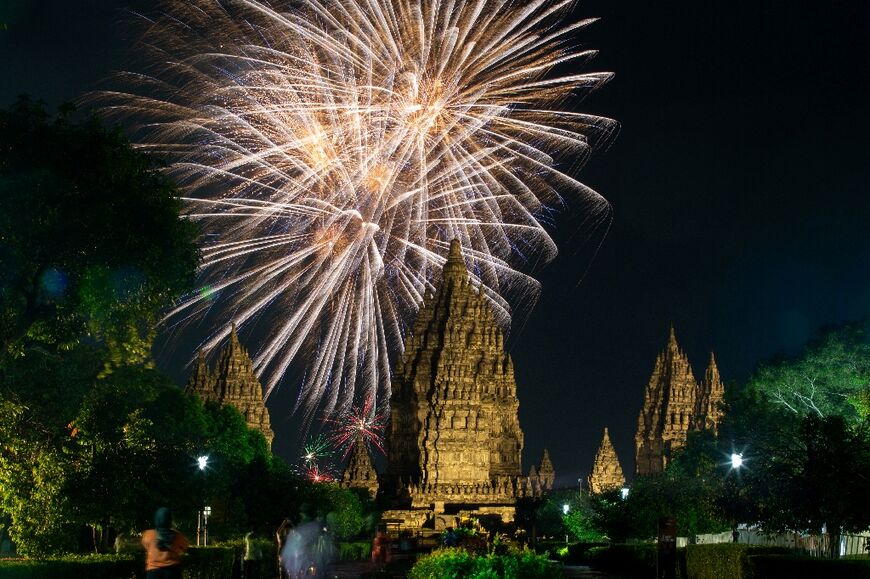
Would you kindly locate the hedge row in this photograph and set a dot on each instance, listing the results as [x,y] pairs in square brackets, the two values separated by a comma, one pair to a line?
[724,560]
[199,563]
[801,567]
[93,567]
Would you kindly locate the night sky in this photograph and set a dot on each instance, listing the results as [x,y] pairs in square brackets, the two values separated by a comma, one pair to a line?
[738,183]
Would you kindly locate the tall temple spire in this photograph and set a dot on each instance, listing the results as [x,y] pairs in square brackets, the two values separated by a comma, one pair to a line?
[454,433]
[674,404]
[668,409]
[711,396]
[606,471]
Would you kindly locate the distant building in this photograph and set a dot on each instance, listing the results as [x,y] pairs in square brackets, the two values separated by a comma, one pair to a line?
[232,382]
[454,439]
[675,404]
[606,471]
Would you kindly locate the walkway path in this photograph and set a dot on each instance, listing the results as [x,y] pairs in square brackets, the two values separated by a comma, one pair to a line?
[578,571]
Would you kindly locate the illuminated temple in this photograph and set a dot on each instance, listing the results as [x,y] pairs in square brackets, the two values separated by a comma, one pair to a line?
[454,439]
[674,405]
[232,382]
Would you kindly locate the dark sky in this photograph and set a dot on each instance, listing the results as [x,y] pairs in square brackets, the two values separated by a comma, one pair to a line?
[738,184]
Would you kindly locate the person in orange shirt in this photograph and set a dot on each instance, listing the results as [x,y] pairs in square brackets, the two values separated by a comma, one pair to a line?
[163,547]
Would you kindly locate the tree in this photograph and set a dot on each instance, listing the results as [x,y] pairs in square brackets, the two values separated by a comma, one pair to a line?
[92,244]
[803,471]
[91,249]
[831,376]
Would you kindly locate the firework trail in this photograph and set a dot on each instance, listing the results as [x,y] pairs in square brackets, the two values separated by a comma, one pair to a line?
[331,149]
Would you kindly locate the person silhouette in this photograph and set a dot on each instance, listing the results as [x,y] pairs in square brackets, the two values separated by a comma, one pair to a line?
[163,547]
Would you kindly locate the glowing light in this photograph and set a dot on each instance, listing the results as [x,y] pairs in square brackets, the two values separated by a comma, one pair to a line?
[202,461]
[623,492]
[331,149]
[736,460]
[565,509]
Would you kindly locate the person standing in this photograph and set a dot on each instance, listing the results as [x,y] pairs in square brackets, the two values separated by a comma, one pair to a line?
[253,555]
[163,547]
[281,539]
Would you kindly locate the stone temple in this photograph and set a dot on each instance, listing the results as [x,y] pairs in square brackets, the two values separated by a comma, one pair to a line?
[675,404]
[606,471]
[454,439]
[232,382]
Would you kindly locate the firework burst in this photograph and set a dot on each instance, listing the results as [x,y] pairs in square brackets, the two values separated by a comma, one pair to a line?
[358,425]
[317,474]
[331,150]
[316,451]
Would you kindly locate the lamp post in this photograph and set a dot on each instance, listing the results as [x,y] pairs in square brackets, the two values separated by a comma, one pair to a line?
[202,515]
[736,465]
[565,509]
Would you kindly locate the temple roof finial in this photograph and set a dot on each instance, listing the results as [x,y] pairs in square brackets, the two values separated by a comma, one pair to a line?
[454,268]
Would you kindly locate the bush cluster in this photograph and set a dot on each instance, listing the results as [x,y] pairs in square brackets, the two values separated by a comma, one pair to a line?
[457,562]
[354,551]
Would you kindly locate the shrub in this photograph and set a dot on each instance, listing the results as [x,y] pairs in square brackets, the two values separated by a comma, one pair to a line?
[723,560]
[354,551]
[624,559]
[577,553]
[209,562]
[455,563]
[799,567]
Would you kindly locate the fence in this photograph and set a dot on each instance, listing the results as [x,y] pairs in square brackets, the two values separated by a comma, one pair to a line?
[814,545]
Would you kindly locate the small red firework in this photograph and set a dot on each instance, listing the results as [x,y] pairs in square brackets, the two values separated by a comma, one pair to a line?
[360,422]
[314,474]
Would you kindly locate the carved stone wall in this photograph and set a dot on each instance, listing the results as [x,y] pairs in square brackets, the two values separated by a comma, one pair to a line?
[454,437]
[232,382]
[606,471]
[674,404]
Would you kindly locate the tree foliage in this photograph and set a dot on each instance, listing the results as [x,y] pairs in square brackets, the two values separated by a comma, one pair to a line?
[90,239]
[831,377]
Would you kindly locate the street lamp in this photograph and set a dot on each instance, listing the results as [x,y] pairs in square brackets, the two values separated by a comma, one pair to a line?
[565,509]
[202,516]
[736,460]
[623,493]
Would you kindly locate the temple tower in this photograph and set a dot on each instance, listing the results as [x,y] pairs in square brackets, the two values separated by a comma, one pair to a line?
[606,471]
[711,397]
[232,382]
[546,474]
[454,438]
[674,404]
[360,472]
